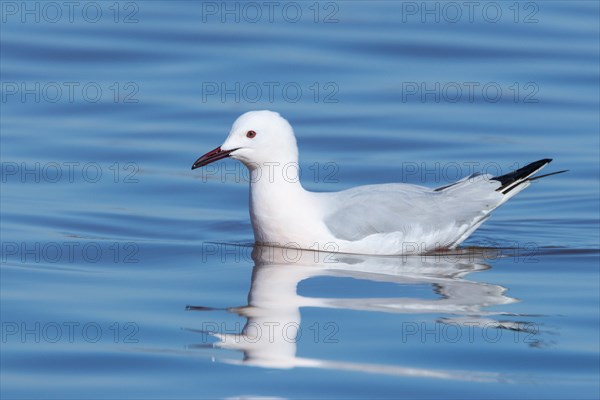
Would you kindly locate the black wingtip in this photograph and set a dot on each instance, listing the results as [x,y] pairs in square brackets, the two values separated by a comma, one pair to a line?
[513,179]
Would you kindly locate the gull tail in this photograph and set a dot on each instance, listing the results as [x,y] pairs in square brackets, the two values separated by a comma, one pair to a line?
[521,178]
[510,184]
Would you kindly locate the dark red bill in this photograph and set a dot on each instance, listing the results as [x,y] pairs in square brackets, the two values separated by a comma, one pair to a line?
[212,156]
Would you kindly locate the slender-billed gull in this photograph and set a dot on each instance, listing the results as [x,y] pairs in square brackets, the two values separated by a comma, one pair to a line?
[387,219]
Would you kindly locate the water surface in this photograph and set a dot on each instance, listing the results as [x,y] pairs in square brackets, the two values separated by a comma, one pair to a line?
[125,274]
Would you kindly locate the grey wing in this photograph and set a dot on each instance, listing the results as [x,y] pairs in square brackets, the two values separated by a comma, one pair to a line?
[367,210]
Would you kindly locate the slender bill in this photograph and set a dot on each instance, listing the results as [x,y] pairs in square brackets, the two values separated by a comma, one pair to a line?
[212,156]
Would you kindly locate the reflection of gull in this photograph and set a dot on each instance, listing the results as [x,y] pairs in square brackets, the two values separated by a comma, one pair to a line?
[273,312]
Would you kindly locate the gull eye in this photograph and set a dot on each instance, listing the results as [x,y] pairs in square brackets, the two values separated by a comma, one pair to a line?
[250,134]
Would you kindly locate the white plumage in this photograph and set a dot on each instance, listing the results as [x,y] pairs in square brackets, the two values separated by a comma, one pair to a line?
[387,219]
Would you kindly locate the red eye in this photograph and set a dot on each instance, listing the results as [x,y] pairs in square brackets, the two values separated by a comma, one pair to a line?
[250,134]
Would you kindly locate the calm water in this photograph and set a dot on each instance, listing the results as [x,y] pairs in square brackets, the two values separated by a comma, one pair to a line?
[125,274]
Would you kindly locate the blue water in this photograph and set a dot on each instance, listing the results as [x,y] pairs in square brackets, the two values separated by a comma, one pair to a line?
[126,275]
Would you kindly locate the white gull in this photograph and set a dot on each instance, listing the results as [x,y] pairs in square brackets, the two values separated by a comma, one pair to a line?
[387,219]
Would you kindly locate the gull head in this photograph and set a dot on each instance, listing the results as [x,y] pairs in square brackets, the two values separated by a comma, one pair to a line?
[256,138]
